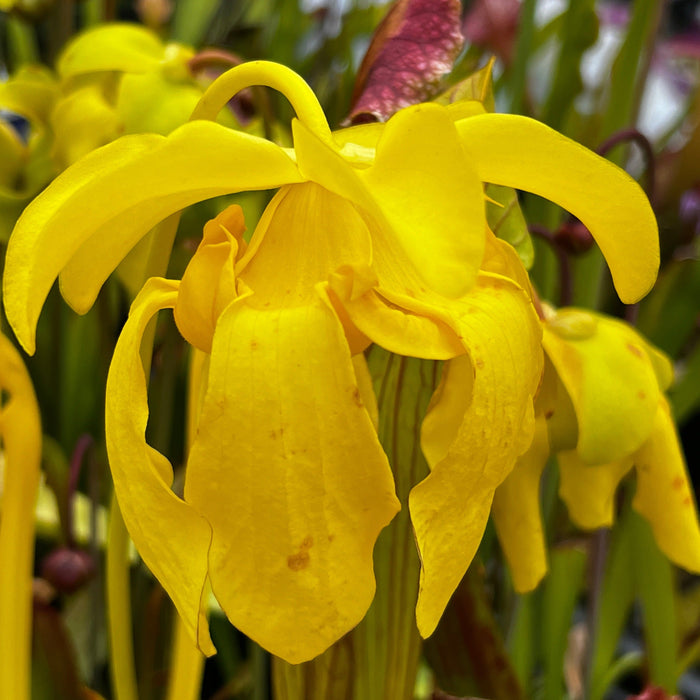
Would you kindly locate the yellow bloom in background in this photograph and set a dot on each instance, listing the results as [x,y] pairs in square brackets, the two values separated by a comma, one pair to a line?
[616,382]
[119,79]
[377,233]
[25,163]
[602,412]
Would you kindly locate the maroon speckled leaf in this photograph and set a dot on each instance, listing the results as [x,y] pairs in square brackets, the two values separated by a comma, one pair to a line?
[413,47]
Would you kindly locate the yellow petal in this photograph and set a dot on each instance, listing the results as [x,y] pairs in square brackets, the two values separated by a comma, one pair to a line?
[171,537]
[431,197]
[502,259]
[87,224]
[304,235]
[495,423]
[589,490]
[517,517]
[288,469]
[664,496]
[128,48]
[394,328]
[554,403]
[149,102]
[612,382]
[12,156]
[82,121]
[520,152]
[209,284]
[31,92]
[423,199]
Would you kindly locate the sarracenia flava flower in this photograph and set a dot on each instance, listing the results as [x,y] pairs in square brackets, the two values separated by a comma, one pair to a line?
[602,410]
[377,233]
[119,79]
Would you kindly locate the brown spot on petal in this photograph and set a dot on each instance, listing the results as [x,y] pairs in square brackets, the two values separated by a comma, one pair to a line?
[300,560]
[641,395]
[635,350]
[253,344]
[357,398]
[687,501]
[549,414]
[678,483]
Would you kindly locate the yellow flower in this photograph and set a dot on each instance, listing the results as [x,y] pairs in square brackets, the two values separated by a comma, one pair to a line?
[377,233]
[602,411]
[624,422]
[119,79]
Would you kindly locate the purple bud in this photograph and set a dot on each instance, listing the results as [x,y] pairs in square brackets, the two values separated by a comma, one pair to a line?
[67,570]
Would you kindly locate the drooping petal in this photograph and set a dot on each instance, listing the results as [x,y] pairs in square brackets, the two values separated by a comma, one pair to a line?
[611,381]
[288,469]
[425,202]
[664,496]
[450,507]
[209,284]
[589,490]
[94,221]
[523,153]
[171,537]
[517,517]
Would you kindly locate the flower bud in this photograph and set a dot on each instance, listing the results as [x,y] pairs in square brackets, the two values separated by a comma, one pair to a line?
[68,570]
[574,237]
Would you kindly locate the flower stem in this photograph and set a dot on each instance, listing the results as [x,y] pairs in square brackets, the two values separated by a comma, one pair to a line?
[121,655]
[386,643]
[20,429]
[186,666]
[187,662]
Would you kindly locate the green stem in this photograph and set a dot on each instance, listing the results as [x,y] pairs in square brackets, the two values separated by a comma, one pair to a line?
[121,657]
[187,662]
[92,12]
[523,49]
[21,42]
[186,666]
[386,643]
